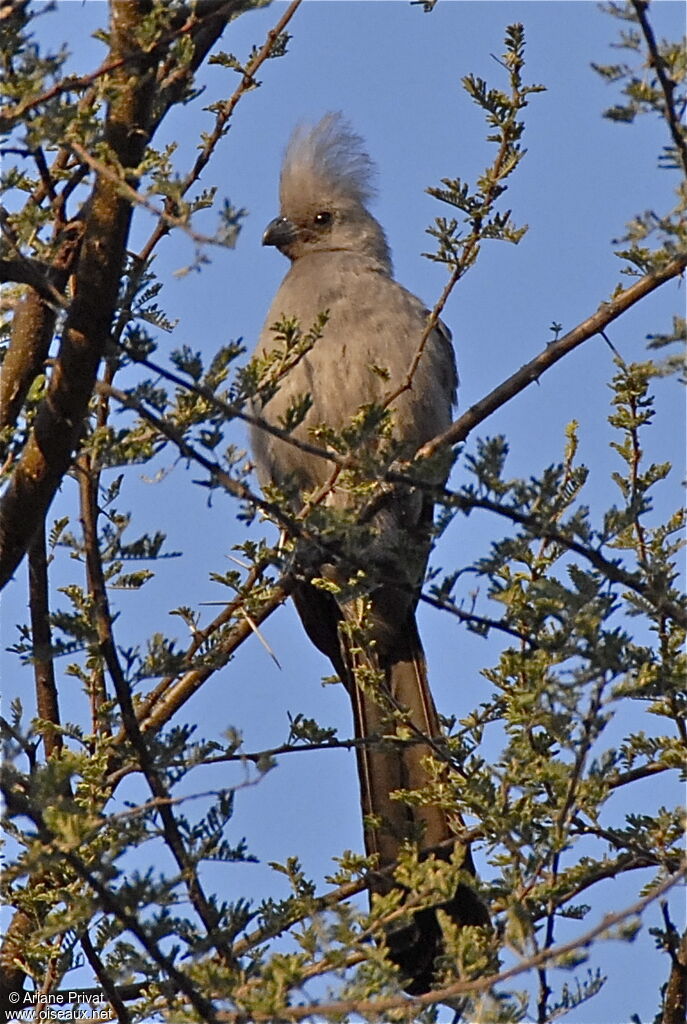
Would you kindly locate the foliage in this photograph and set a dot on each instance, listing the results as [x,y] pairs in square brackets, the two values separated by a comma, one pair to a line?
[587,604]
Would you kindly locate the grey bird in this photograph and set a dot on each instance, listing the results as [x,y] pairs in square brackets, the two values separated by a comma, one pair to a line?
[341,265]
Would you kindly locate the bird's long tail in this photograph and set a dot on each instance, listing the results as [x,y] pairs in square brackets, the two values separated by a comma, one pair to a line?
[397,696]
[389,691]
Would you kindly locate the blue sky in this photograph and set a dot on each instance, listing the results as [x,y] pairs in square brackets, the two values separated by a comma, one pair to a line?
[395,72]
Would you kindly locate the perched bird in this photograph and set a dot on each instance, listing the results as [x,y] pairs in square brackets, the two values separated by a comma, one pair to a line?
[341,265]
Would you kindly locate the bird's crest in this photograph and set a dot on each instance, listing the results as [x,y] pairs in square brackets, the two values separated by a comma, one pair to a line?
[326,161]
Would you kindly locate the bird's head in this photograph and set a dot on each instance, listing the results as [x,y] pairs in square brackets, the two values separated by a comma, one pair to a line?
[325,184]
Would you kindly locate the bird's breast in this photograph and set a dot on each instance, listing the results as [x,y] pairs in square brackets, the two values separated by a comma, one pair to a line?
[366,350]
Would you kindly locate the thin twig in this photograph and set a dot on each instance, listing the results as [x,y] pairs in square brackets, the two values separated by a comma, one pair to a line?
[47,703]
[224,113]
[71,83]
[667,84]
[540,528]
[532,371]
[482,621]
[230,484]
[136,198]
[88,499]
[236,410]
[470,252]
[18,804]
[414,1003]
[167,705]
[460,428]
[105,978]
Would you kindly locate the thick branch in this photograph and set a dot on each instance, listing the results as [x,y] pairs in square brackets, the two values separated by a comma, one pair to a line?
[129,126]
[34,320]
[167,705]
[59,420]
[675,995]
[23,270]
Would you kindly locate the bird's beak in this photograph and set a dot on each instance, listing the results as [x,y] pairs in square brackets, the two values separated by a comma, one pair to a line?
[280,232]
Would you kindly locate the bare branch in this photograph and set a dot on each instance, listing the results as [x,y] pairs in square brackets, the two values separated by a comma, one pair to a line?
[483,622]
[532,371]
[667,84]
[104,978]
[41,634]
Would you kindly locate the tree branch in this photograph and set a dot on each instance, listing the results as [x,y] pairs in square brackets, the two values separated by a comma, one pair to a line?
[414,1003]
[41,636]
[532,371]
[88,497]
[675,994]
[222,118]
[34,318]
[19,804]
[476,414]
[108,987]
[131,119]
[23,270]
[657,62]
[59,419]
[539,528]
[236,410]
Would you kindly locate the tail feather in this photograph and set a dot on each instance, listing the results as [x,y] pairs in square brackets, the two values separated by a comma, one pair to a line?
[393,678]
[389,823]
[387,768]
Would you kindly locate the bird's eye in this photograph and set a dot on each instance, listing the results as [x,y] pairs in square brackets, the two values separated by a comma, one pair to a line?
[322,218]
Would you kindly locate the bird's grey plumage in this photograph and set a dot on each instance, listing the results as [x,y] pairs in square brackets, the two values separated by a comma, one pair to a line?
[327,160]
[340,264]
